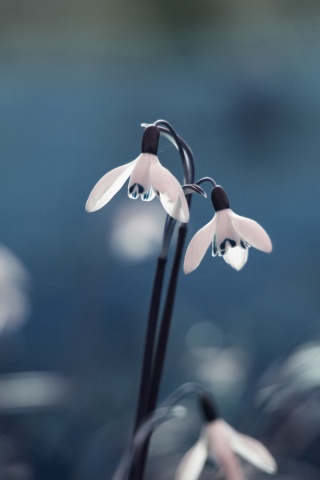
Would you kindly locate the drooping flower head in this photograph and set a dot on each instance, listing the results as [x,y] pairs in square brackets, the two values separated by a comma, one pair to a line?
[219,442]
[230,234]
[148,178]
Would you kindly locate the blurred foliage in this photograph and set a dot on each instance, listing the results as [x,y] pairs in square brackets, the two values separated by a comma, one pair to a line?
[239,81]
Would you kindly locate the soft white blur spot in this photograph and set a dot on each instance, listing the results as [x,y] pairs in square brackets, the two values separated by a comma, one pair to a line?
[29,390]
[14,303]
[225,370]
[304,364]
[137,230]
[299,373]
[178,411]
[222,368]
[203,334]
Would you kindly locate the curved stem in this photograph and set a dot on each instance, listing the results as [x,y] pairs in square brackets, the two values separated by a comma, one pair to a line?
[163,414]
[145,379]
[153,359]
[184,150]
[206,179]
[132,454]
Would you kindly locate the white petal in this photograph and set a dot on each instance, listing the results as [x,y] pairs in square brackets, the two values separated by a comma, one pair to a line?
[193,461]
[220,450]
[250,449]
[198,246]
[236,257]
[225,230]
[108,186]
[170,191]
[140,176]
[251,232]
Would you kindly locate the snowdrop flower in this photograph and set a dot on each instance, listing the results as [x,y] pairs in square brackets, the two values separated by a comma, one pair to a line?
[148,178]
[220,442]
[230,234]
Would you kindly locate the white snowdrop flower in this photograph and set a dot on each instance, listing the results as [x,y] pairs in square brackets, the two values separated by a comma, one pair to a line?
[148,178]
[230,234]
[221,443]
[14,299]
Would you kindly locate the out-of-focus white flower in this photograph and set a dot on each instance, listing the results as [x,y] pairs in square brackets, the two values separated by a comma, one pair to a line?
[295,377]
[220,442]
[136,232]
[23,391]
[230,234]
[14,302]
[148,178]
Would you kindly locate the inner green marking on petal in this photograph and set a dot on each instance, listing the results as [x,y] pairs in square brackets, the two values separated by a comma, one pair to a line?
[135,190]
[146,195]
[244,245]
[223,245]
[214,246]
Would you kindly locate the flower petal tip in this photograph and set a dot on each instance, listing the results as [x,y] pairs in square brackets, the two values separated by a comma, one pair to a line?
[238,268]
[90,206]
[269,464]
[273,468]
[184,216]
[264,242]
[236,257]
[187,269]
[269,247]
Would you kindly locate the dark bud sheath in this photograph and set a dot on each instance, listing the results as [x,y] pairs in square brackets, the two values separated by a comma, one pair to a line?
[150,140]
[208,407]
[219,199]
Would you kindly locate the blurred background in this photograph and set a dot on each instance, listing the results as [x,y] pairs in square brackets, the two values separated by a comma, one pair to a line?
[239,81]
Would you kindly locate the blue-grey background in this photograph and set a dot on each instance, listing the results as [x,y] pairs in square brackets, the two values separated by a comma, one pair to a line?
[239,81]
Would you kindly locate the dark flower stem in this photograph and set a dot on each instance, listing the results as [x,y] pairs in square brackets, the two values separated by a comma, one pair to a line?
[152,324]
[154,354]
[152,390]
[145,380]
[183,147]
[161,347]
[150,341]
